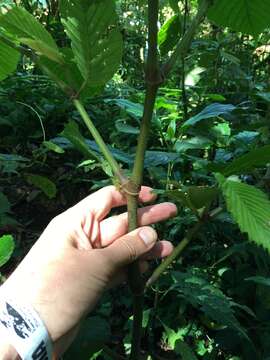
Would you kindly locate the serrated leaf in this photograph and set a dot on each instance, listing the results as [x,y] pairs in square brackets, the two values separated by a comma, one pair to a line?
[250,208]
[247,16]
[255,158]
[95,38]
[9,59]
[67,75]
[207,298]
[7,246]
[43,183]
[210,111]
[24,26]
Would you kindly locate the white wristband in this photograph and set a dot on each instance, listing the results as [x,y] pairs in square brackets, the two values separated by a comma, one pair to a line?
[24,329]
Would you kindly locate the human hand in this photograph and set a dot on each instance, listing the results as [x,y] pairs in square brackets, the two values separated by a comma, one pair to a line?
[80,254]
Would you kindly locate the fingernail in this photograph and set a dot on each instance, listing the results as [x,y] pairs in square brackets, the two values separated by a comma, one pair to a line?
[148,235]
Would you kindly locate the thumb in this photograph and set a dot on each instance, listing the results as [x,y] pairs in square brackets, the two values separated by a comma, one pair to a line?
[131,246]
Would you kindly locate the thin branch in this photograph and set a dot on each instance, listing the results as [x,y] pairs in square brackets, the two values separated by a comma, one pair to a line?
[103,147]
[176,252]
[182,245]
[183,45]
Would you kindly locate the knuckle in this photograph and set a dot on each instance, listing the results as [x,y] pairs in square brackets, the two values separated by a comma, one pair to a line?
[131,248]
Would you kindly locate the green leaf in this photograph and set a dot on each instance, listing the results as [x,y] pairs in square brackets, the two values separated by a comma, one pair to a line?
[211,111]
[9,59]
[24,26]
[133,109]
[67,75]
[7,246]
[250,208]
[192,196]
[247,16]
[201,196]
[72,133]
[43,183]
[121,126]
[95,38]
[4,204]
[181,348]
[93,333]
[207,298]
[53,147]
[169,34]
[255,158]
[259,280]
[196,142]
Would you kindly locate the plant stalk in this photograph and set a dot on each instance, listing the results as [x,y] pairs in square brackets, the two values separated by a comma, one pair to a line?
[153,80]
[100,142]
[176,252]
[182,245]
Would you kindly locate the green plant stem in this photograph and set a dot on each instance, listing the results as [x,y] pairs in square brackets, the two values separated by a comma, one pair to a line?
[183,44]
[182,245]
[100,142]
[177,251]
[153,79]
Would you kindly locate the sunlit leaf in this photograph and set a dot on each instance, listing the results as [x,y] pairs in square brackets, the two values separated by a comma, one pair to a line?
[7,246]
[247,16]
[9,59]
[169,34]
[250,208]
[211,111]
[24,26]
[95,38]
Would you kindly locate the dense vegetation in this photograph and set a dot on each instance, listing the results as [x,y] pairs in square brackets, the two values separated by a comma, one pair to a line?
[208,151]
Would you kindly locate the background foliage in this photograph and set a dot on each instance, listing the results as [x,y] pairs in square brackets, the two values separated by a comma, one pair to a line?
[209,152]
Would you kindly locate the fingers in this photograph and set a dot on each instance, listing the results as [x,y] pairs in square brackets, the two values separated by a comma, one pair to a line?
[160,250]
[102,201]
[116,226]
[131,246]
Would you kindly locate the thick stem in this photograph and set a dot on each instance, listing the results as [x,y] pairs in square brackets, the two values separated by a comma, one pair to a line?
[183,45]
[100,142]
[153,79]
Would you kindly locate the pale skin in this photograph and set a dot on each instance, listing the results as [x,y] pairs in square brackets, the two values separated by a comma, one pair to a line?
[80,254]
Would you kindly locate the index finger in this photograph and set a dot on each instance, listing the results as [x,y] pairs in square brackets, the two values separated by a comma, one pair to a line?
[102,201]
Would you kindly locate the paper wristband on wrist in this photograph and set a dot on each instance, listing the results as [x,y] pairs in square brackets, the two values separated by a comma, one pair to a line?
[24,329]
